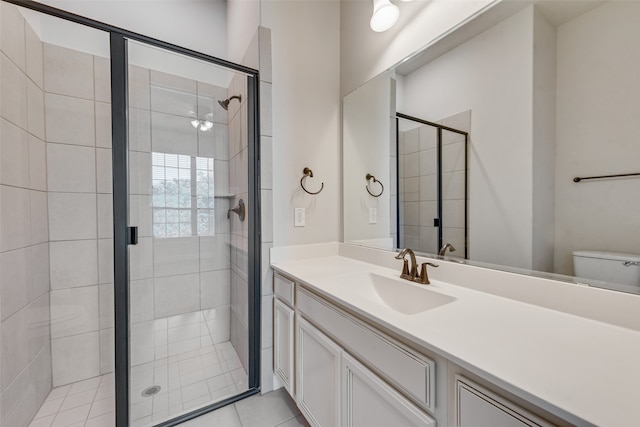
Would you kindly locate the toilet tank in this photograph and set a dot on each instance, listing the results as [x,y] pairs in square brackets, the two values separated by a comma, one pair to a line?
[608,267]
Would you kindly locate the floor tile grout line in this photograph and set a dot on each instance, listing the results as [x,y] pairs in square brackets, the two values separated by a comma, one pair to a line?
[235,407]
[286,421]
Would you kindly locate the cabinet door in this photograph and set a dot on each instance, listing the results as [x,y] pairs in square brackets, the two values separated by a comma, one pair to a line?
[367,401]
[283,344]
[479,407]
[317,375]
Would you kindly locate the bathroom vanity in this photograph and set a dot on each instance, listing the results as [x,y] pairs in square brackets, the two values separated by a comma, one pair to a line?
[355,345]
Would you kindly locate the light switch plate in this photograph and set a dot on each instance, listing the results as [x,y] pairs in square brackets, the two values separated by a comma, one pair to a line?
[299,217]
[373,215]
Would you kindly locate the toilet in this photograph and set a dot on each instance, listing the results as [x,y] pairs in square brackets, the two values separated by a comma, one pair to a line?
[609,267]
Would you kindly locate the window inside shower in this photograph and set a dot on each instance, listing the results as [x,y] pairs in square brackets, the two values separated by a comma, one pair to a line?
[183,195]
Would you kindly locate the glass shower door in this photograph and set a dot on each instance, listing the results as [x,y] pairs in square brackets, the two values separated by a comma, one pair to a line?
[418,185]
[189,271]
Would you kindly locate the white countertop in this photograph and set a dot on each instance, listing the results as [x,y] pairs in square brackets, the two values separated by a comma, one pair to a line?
[583,370]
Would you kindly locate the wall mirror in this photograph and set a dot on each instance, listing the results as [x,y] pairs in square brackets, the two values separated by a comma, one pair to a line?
[547,91]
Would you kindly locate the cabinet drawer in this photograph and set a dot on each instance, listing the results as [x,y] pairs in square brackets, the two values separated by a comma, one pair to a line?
[476,406]
[283,288]
[368,401]
[413,373]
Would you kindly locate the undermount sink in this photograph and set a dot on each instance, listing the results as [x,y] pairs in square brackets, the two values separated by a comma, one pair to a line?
[395,293]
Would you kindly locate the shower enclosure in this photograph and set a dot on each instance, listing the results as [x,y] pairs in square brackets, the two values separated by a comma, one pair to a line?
[432,183]
[129,291]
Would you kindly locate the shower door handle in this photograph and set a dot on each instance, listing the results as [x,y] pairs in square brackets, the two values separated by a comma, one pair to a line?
[133,236]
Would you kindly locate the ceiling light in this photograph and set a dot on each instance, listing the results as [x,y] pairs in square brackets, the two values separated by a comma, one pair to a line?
[384,15]
[203,125]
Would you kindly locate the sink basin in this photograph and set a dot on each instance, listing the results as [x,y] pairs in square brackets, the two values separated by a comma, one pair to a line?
[397,294]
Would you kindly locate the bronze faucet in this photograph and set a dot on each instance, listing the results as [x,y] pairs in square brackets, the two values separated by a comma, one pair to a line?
[411,273]
[444,248]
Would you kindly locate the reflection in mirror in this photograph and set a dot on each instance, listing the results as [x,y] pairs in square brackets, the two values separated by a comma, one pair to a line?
[547,92]
[432,176]
[370,149]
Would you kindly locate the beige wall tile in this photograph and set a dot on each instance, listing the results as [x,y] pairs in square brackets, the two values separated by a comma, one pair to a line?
[39,218]
[102,79]
[105,261]
[139,95]
[34,56]
[14,347]
[13,86]
[104,178]
[174,256]
[75,358]
[74,311]
[71,168]
[37,164]
[68,72]
[15,277]
[12,38]
[35,109]
[215,289]
[103,124]
[14,161]
[139,130]
[105,216]
[72,216]
[176,295]
[74,263]
[15,224]
[69,120]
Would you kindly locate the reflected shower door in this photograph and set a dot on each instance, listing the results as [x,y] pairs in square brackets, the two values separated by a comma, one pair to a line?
[454,192]
[432,185]
[418,186]
[189,296]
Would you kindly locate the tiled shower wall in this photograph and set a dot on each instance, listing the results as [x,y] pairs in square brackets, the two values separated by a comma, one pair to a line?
[418,185]
[175,275]
[418,188]
[78,135]
[25,352]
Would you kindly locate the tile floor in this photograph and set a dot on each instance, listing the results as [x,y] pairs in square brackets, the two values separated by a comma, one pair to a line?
[85,403]
[274,409]
[186,360]
[187,380]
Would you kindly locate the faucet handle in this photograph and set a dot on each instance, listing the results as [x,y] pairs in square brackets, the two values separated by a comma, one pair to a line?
[424,276]
[405,269]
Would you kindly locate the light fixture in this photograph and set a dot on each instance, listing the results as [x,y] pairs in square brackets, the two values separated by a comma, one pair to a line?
[384,15]
[203,125]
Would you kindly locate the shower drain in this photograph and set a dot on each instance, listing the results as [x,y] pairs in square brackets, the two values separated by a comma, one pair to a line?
[150,391]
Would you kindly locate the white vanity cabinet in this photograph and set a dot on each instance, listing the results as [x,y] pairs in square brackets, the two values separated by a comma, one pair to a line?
[367,401]
[345,379]
[345,372]
[283,332]
[478,407]
[317,375]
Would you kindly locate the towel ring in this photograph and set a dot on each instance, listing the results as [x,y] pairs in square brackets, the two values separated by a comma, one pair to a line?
[309,173]
[370,177]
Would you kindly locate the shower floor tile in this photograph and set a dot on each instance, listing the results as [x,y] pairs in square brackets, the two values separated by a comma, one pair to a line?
[186,362]
[187,381]
[84,403]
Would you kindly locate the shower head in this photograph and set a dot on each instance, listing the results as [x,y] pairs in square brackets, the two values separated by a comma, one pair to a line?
[225,104]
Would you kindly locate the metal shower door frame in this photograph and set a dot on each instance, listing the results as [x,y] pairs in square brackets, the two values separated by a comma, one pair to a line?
[439,128]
